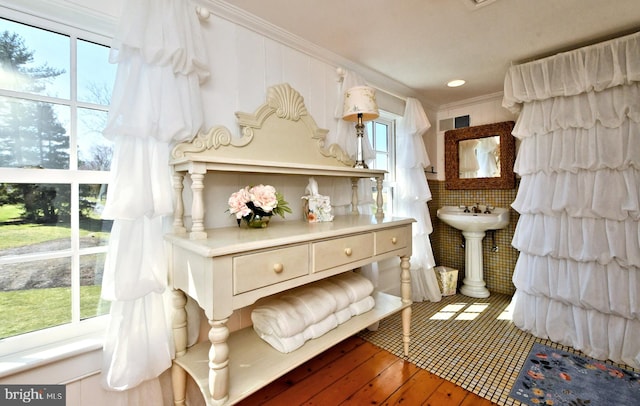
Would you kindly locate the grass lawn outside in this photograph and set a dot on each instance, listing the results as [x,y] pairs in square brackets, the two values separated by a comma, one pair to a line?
[36,309]
[29,310]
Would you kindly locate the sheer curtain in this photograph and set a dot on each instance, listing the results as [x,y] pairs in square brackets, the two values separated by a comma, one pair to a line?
[578,277]
[156,101]
[413,193]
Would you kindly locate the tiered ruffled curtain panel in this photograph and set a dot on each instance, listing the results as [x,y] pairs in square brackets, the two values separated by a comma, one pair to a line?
[156,102]
[412,195]
[577,277]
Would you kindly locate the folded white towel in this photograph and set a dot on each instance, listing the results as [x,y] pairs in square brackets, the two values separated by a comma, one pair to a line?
[357,286]
[283,344]
[321,328]
[362,306]
[278,317]
[338,292]
[343,315]
[312,303]
[289,344]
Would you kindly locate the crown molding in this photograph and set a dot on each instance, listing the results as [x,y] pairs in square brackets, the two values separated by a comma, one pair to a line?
[471,101]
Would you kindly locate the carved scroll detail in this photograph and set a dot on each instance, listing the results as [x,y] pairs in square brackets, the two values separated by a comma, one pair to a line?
[214,138]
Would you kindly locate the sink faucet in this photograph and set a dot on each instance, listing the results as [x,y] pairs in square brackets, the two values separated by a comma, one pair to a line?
[476,208]
[487,209]
[465,207]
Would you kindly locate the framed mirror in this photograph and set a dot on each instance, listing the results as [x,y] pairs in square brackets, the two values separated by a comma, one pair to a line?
[480,157]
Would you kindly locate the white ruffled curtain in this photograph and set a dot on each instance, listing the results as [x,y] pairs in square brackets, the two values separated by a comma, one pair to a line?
[156,101]
[578,277]
[412,195]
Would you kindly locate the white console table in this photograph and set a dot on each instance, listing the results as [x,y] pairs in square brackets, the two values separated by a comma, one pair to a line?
[239,266]
[226,269]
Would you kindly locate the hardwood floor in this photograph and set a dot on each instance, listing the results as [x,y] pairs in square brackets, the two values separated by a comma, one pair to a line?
[356,372]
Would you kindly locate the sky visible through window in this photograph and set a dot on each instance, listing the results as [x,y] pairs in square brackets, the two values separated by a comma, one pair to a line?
[94,79]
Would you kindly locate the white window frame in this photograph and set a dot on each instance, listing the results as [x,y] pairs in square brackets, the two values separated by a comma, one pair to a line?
[389,119]
[25,350]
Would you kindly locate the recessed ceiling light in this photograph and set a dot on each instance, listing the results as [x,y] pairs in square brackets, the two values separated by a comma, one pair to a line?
[456,83]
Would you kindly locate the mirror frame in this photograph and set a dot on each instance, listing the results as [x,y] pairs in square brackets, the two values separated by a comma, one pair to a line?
[507,156]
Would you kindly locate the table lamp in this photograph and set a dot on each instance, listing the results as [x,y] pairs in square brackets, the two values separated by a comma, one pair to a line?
[359,106]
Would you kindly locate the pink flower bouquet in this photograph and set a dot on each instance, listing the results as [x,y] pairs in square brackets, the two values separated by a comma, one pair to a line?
[258,201]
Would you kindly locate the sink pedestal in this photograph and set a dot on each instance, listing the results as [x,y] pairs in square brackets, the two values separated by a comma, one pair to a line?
[473,283]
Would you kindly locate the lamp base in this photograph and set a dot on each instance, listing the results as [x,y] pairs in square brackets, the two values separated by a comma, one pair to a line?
[360,149]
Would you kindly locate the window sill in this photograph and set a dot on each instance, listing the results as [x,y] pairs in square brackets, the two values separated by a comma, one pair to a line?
[63,360]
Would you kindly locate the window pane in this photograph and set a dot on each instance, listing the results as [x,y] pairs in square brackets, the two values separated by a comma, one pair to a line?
[382,161]
[93,230]
[91,269]
[34,295]
[34,218]
[95,74]
[33,134]
[381,137]
[94,150]
[33,60]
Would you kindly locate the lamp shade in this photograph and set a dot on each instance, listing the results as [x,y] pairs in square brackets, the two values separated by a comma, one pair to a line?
[360,100]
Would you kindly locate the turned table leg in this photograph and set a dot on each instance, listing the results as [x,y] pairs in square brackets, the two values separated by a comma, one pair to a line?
[405,288]
[219,360]
[179,326]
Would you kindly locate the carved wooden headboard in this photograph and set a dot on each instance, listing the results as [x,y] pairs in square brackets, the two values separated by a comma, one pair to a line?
[280,137]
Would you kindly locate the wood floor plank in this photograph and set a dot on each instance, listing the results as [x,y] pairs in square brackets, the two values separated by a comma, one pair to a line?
[474,400]
[418,388]
[348,384]
[377,390]
[447,394]
[327,376]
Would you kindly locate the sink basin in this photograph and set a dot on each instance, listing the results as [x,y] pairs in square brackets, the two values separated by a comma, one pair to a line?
[478,222]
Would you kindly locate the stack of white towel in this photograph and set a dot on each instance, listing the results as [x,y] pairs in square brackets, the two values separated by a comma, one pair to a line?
[287,322]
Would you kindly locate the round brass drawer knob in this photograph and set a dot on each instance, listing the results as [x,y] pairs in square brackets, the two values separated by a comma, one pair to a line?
[394,240]
[348,252]
[278,268]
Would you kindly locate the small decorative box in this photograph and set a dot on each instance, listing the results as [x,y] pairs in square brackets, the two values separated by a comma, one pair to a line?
[316,207]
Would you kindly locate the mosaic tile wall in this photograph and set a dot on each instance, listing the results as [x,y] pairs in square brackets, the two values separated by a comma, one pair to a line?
[446,241]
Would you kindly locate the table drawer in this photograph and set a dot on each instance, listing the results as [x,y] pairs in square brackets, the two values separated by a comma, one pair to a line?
[340,251]
[392,239]
[261,269]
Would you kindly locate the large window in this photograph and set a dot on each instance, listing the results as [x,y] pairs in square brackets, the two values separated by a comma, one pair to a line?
[381,133]
[55,88]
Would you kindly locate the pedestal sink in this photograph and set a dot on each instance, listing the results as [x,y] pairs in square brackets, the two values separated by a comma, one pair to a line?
[473,227]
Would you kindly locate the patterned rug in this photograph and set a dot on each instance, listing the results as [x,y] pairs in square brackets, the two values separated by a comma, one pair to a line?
[551,376]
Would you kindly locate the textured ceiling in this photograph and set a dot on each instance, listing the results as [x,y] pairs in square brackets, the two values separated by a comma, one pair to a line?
[425,43]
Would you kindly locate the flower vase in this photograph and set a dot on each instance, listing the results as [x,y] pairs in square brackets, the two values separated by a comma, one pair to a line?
[257,221]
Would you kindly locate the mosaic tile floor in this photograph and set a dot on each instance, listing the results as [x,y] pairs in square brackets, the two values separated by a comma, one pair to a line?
[470,342]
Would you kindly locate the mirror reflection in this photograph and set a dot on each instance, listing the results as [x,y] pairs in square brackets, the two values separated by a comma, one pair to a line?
[479,158]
